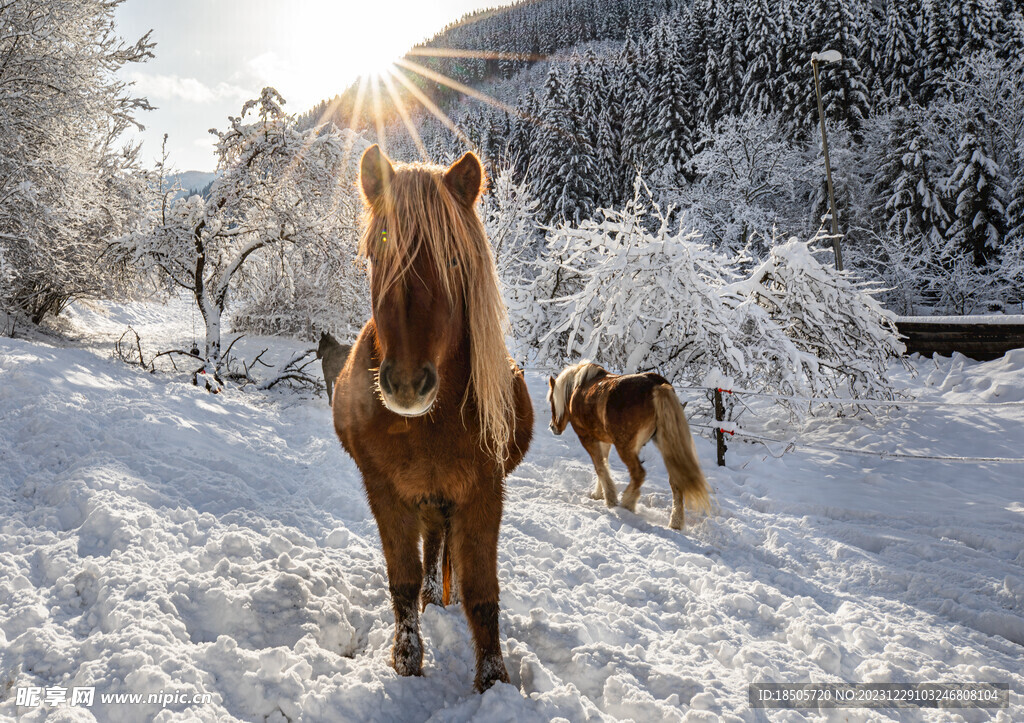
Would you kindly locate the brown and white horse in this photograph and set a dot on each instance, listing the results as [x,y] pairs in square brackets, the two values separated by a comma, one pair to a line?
[628,411]
[429,404]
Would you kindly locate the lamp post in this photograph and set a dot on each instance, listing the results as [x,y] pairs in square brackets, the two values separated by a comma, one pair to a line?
[826,57]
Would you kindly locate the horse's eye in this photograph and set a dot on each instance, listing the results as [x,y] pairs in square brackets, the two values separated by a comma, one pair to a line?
[453,263]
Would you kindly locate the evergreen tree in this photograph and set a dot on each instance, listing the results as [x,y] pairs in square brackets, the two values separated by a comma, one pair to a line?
[548,150]
[634,93]
[577,196]
[974,24]
[670,129]
[1015,206]
[910,199]
[761,51]
[844,96]
[916,14]
[723,69]
[942,51]
[979,218]
[897,63]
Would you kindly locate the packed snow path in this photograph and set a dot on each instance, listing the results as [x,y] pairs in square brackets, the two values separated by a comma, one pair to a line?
[156,539]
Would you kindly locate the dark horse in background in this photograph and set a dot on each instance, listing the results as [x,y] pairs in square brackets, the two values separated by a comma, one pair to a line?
[332,355]
[628,411]
[429,404]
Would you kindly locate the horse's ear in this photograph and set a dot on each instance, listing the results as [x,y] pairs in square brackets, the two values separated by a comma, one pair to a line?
[551,382]
[465,179]
[375,173]
[685,403]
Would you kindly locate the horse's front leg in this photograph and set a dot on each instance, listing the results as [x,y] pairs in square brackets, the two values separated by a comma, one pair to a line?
[399,526]
[474,539]
[605,486]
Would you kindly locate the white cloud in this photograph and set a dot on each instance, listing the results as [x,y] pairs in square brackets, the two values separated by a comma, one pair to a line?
[190,90]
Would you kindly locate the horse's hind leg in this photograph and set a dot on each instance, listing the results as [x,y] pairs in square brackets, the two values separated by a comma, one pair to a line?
[605,487]
[433,575]
[637,475]
[399,526]
[474,537]
[436,556]
[678,517]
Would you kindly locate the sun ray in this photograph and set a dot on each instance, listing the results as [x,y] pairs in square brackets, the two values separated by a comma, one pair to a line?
[400,107]
[456,85]
[428,52]
[472,92]
[432,107]
[350,142]
[378,113]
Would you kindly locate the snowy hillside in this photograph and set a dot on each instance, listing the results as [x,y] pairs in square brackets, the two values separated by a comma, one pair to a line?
[157,539]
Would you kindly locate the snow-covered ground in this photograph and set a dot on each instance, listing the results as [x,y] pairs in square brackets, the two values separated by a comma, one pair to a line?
[157,539]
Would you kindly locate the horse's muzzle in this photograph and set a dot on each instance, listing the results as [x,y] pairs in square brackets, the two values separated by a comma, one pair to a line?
[553,428]
[409,394]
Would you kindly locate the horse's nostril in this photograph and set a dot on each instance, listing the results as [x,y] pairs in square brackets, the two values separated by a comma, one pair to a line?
[428,381]
[386,385]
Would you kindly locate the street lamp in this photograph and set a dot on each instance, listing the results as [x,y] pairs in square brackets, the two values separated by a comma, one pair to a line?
[825,58]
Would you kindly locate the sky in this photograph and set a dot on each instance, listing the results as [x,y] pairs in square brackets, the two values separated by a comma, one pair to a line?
[213,55]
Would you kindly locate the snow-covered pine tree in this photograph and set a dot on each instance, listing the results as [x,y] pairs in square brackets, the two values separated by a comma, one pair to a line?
[608,145]
[671,123]
[974,25]
[577,191]
[791,68]
[634,91]
[977,185]
[760,55]
[724,66]
[943,53]
[1011,257]
[910,197]
[844,96]
[917,13]
[897,61]
[548,150]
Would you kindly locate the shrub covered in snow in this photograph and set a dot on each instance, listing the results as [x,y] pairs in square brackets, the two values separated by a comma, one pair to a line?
[635,300]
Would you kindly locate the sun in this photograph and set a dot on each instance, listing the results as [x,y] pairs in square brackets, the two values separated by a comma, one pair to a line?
[347,41]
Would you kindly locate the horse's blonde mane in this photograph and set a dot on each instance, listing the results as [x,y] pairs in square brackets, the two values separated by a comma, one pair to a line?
[415,209]
[568,381]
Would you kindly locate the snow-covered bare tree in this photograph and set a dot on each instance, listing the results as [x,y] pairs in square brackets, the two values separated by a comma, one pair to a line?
[278,187]
[66,185]
[746,169]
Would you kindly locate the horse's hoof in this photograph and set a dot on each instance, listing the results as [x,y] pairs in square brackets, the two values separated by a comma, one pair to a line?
[611,502]
[490,671]
[597,495]
[407,654]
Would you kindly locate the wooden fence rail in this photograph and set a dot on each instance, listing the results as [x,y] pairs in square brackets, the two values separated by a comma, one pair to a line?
[978,337]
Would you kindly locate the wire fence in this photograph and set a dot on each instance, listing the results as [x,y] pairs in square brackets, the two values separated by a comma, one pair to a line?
[722,428]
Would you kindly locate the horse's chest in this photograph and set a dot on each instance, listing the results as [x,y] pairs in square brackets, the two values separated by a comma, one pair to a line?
[420,464]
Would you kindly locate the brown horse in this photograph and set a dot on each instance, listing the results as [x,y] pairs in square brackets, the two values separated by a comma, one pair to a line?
[429,404]
[628,411]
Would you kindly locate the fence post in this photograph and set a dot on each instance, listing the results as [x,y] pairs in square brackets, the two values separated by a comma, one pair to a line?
[719,436]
